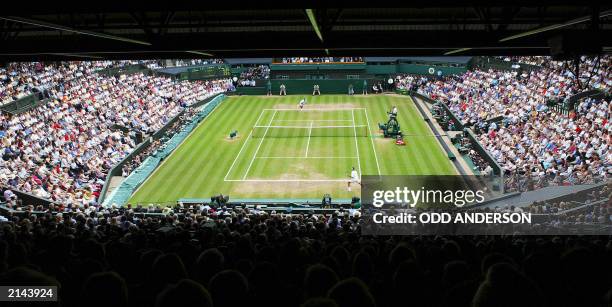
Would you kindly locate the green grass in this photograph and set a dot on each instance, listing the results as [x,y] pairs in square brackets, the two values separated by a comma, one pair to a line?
[208,163]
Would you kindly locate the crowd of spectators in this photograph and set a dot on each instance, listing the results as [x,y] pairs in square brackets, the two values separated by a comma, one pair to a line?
[533,139]
[62,150]
[18,80]
[590,207]
[195,62]
[482,166]
[306,60]
[218,256]
[13,84]
[546,207]
[137,160]
[158,143]
[531,60]
[249,76]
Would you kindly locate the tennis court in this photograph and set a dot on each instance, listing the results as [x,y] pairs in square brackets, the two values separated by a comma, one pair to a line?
[312,154]
[314,144]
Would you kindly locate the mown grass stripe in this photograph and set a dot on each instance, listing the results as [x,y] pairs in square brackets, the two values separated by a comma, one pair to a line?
[199,166]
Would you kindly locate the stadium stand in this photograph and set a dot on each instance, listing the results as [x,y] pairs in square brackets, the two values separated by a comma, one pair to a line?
[61,150]
[235,256]
[307,60]
[249,76]
[517,123]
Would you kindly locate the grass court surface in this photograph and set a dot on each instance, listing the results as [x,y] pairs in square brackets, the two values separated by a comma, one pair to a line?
[282,152]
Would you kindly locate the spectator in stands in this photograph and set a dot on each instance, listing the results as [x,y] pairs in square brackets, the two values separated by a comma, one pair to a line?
[249,76]
[63,149]
[198,256]
[306,60]
[533,139]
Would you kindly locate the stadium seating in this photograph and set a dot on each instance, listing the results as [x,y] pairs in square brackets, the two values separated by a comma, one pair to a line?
[533,139]
[248,77]
[224,256]
[62,150]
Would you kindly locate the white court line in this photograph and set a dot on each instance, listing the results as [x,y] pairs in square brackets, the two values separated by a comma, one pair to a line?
[312,120]
[309,127]
[306,157]
[298,110]
[259,146]
[372,139]
[288,180]
[356,145]
[308,143]
[241,148]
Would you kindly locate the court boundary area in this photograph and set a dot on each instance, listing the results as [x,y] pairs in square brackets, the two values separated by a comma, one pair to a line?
[254,157]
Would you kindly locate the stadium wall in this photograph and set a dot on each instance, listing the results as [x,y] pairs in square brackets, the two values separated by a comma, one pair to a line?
[27,198]
[497,169]
[249,90]
[334,78]
[453,116]
[326,86]
[316,67]
[22,105]
[375,68]
[125,70]
[423,69]
[382,69]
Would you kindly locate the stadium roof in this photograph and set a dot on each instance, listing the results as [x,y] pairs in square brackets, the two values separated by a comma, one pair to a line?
[186,29]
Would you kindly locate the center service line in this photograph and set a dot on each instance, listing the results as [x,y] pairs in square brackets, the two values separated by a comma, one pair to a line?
[308,143]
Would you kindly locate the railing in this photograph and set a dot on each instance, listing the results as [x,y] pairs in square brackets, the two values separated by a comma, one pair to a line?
[117,169]
[125,70]
[565,106]
[197,72]
[498,171]
[581,207]
[27,198]
[322,60]
[458,123]
[23,104]
[275,67]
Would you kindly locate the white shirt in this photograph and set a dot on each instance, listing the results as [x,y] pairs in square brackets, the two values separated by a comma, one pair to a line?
[354,175]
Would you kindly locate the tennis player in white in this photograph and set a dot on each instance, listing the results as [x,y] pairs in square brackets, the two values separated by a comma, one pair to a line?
[354,178]
[302,103]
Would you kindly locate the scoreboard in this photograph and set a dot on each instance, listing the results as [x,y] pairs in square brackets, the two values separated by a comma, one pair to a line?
[206,72]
